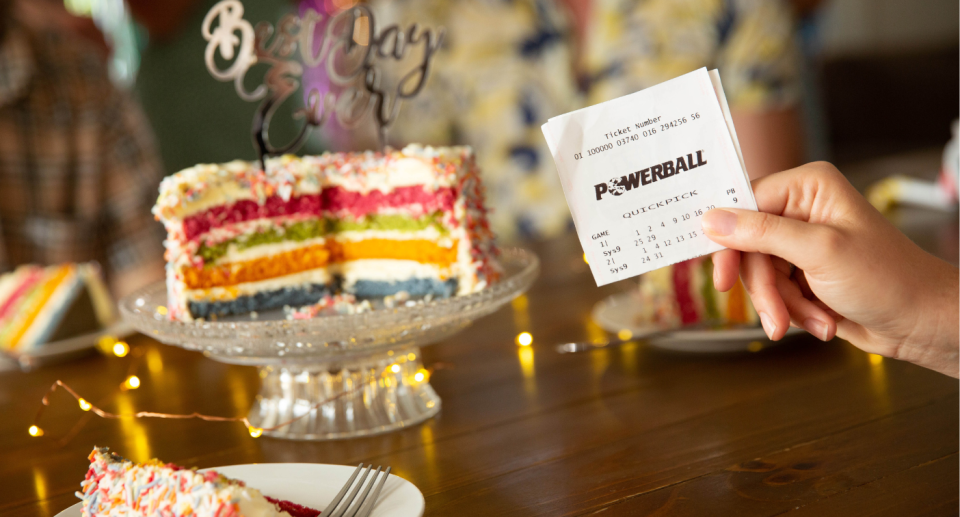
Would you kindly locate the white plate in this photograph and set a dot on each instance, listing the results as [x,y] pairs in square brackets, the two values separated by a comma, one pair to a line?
[314,485]
[62,350]
[619,312]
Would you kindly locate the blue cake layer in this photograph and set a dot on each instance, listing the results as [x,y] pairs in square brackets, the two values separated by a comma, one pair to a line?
[265,300]
[414,286]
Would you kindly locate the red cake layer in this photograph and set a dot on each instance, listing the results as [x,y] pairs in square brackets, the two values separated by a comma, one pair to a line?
[331,200]
[294,509]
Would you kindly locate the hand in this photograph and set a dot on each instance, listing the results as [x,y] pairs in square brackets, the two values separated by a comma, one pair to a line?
[856,276]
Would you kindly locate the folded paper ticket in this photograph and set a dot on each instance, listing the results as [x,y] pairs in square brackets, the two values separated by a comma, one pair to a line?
[638,173]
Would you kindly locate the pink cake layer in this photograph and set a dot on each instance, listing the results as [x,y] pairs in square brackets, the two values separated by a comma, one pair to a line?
[332,200]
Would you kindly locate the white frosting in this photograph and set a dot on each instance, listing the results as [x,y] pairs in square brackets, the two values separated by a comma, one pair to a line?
[429,234]
[386,270]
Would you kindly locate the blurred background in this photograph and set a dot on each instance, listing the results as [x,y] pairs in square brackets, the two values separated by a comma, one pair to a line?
[871,85]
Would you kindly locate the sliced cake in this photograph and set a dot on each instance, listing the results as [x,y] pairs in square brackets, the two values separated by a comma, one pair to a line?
[43,304]
[115,487]
[683,294]
[368,224]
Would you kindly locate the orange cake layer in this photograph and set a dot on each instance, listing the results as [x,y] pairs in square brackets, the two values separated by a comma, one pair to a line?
[425,252]
[312,257]
[281,264]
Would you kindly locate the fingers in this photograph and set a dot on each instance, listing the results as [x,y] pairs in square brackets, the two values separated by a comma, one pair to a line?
[804,192]
[726,269]
[760,280]
[809,246]
[805,313]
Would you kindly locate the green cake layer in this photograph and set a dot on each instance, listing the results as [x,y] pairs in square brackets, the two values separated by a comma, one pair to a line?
[304,230]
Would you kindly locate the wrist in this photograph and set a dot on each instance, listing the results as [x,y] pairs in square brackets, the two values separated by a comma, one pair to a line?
[934,342]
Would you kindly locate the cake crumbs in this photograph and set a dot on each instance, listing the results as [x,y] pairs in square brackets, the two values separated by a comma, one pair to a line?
[337,304]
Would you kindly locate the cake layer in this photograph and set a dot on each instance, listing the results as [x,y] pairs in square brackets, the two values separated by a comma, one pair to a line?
[32,304]
[16,286]
[295,261]
[261,301]
[416,201]
[412,286]
[317,256]
[321,276]
[207,185]
[422,251]
[300,231]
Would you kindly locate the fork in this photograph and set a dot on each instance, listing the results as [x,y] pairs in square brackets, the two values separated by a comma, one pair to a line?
[354,505]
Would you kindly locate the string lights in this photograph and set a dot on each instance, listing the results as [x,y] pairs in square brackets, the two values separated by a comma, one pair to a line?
[133,382]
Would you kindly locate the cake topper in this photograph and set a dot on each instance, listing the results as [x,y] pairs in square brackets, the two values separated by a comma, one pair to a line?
[350,47]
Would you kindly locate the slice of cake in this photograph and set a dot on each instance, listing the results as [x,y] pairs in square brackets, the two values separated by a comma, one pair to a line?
[115,487]
[368,224]
[43,304]
[683,294]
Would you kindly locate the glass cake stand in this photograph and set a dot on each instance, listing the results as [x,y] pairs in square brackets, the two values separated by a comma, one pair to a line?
[340,375]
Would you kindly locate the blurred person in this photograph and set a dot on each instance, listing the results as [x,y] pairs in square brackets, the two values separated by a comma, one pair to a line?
[818,256]
[78,170]
[631,45]
[507,67]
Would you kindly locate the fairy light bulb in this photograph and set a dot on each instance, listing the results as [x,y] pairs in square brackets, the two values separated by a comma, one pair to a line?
[422,375]
[132,383]
[84,405]
[524,339]
[35,431]
[395,368]
[255,432]
[624,334]
[120,349]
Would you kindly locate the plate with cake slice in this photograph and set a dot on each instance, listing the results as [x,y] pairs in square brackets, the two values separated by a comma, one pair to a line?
[116,486]
[54,313]
[677,308]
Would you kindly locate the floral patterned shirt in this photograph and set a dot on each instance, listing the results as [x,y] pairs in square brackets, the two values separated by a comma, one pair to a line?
[507,66]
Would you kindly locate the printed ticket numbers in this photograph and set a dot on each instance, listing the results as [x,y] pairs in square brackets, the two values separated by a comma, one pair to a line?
[640,171]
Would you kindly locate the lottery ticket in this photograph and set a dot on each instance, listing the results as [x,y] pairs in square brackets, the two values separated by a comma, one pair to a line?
[640,171]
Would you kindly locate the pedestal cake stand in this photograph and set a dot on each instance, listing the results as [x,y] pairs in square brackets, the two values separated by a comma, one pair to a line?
[340,375]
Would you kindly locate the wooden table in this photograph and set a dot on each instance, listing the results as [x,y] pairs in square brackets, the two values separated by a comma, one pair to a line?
[804,428]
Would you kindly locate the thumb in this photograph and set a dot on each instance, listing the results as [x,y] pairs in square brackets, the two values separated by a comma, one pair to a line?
[807,245]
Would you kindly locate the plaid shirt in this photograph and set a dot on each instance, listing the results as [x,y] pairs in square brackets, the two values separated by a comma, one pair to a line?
[78,167]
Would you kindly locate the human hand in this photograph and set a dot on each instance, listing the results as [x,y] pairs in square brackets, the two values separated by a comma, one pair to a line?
[856,275]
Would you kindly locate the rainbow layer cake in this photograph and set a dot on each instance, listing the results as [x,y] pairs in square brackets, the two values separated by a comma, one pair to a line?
[683,294]
[115,487]
[43,304]
[367,224]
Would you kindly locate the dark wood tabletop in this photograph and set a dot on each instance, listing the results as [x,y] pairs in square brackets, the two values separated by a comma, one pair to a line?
[801,428]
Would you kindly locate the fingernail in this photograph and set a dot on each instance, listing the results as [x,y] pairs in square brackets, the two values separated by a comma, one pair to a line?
[768,325]
[817,328]
[719,222]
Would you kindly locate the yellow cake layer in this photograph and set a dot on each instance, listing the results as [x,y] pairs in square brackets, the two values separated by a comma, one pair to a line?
[320,255]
